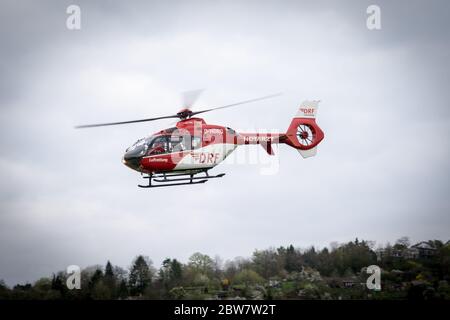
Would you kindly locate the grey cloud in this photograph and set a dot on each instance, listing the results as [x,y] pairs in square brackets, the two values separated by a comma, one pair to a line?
[381,172]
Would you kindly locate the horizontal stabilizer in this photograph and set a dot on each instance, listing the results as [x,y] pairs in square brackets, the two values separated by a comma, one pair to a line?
[308,153]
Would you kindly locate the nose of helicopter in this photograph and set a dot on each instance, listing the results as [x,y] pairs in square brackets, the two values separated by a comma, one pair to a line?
[132,158]
[132,163]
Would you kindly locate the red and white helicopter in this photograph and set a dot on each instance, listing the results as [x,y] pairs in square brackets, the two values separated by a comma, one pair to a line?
[183,154]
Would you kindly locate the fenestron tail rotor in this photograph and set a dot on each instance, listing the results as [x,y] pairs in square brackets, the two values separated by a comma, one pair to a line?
[305,135]
[189,99]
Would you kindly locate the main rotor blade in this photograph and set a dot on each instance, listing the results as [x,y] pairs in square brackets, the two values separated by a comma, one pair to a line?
[237,103]
[122,122]
[196,93]
[188,98]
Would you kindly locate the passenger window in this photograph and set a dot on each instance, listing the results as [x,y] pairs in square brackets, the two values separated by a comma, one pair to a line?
[196,142]
[177,144]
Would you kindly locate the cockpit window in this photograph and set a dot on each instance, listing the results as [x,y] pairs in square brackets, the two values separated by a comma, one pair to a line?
[159,145]
[169,143]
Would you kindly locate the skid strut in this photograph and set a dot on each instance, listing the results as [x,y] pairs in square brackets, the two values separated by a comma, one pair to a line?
[177,179]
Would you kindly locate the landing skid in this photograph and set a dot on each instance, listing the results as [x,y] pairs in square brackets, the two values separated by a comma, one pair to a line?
[166,179]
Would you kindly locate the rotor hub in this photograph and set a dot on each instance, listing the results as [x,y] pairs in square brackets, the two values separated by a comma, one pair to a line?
[184,113]
[304,135]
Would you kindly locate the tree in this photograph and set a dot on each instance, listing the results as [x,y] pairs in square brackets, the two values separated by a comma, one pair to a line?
[120,273]
[109,270]
[43,284]
[334,245]
[58,284]
[171,273]
[201,263]
[248,277]
[444,262]
[110,279]
[353,255]
[101,292]
[325,262]
[96,278]
[140,276]
[403,243]
[293,261]
[100,286]
[122,292]
[4,290]
[310,257]
[266,263]
[176,272]
[231,268]
[217,267]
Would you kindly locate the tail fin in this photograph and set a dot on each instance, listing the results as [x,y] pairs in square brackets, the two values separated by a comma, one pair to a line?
[303,133]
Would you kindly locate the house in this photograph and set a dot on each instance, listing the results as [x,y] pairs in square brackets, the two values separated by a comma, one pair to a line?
[349,283]
[396,253]
[411,253]
[338,282]
[274,283]
[424,249]
[385,253]
[420,250]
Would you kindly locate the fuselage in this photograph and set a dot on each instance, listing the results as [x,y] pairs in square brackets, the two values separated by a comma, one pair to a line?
[191,145]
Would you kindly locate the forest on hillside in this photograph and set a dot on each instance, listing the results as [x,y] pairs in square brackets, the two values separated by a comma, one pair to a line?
[420,271]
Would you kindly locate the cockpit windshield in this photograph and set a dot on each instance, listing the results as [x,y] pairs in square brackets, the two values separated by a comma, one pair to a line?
[160,144]
[144,141]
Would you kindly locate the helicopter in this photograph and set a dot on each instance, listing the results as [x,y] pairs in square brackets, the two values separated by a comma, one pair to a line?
[184,154]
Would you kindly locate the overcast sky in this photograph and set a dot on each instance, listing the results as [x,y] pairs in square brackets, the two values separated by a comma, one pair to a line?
[381,172]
